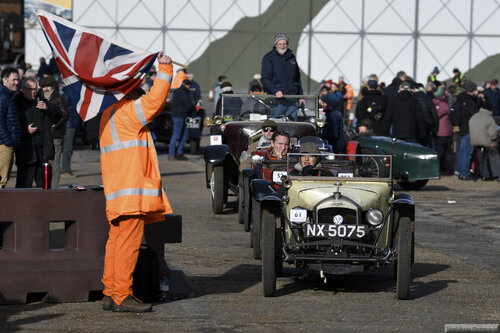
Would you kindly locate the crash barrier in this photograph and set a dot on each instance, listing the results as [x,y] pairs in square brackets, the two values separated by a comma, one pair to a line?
[52,244]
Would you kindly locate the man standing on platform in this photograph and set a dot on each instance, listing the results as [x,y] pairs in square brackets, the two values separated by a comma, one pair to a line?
[132,185]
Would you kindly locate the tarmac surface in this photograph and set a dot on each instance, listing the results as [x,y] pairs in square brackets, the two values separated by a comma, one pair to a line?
[456,275]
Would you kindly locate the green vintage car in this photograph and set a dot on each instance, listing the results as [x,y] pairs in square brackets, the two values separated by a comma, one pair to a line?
[413,164]
[337,218]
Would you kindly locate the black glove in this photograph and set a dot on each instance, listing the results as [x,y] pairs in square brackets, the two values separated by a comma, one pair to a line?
[308,170]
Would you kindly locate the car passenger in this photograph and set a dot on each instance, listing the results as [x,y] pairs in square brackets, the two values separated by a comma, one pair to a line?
[308,161]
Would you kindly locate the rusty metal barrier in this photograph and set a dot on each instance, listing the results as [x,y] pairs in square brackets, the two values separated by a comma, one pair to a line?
[52,243]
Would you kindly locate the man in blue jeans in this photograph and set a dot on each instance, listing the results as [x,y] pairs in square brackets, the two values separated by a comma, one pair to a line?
[182,107]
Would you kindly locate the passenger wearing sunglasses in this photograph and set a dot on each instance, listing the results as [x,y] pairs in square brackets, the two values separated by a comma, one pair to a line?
[268,129]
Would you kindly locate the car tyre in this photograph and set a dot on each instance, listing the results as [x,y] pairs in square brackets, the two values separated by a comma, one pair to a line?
[412,185]
[194,145]
[268,253]
[217,189]
[256,229]
[374,163]
[403,270]
[241,200]
[247,204]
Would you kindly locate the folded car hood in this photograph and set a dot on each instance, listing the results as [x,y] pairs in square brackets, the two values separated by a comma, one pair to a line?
[366,194]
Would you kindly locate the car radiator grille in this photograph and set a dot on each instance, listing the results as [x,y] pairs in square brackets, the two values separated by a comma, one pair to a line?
[326,215]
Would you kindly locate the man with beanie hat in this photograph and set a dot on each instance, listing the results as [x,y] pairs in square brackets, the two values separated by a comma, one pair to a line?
[465,107]
[232,106]
[268,129]
[484,136]
[281,76]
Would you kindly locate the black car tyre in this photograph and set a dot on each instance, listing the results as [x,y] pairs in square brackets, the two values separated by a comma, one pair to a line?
[372,164]
[241,201]
[256,229]
[403,270]
[412,185]
[194,145]
[268,253]
[217,189]
[247,199]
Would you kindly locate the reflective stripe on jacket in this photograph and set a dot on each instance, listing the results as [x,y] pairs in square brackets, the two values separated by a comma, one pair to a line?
[130,171]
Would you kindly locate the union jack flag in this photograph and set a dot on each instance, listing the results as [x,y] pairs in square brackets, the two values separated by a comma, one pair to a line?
[97,70]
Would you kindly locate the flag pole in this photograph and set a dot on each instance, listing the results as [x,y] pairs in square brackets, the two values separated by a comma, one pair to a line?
[178,64]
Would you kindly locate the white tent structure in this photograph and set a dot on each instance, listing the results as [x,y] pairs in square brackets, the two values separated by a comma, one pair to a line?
[350,38]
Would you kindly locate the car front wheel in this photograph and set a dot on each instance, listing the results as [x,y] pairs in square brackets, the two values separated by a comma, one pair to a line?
[268,253]
[403,270]
[256,229]
[217,189]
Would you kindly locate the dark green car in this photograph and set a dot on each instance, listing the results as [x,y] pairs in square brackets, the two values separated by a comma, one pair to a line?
[413,164]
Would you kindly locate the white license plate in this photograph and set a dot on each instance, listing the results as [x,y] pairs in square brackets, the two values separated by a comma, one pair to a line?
[193,123]
[335,230]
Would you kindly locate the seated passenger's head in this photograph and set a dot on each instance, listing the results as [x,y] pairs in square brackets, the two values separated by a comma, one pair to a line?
[280,142]
[310,153]
[268,129]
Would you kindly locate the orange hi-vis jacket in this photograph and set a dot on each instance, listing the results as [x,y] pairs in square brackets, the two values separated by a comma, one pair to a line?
[130,171]
[178,78]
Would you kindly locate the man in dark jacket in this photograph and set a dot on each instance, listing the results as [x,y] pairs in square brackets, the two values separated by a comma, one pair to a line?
[492,94]
[431,121]
[182,107]
[463,109]
[280,76]
[373,106]
[10,129]
[405,115]
[51,93]
[36,115]
[392,90]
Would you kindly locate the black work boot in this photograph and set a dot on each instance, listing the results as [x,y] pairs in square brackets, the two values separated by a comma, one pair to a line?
[132,304]
[107,303]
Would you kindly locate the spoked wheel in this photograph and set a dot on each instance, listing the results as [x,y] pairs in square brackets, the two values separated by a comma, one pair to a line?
[256,229]
[372,167]
[404,248]
[269,253]
[217,189]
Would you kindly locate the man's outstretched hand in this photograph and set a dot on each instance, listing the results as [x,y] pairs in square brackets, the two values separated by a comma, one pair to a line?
[164,59]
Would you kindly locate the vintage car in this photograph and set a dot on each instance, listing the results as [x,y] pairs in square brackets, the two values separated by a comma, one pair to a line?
[413,164]
[337,218]
[238,126]
[264,173]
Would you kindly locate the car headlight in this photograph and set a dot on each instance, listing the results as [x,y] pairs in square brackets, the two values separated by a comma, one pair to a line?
[217,120]
[207,122]
[374,216]
[256,159]
[298,215]
[320,122]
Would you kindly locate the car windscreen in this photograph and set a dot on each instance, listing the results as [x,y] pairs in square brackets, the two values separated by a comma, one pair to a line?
[257,107]
[359,166]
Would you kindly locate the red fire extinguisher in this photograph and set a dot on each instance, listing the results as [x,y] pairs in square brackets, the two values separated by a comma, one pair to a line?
[47,175]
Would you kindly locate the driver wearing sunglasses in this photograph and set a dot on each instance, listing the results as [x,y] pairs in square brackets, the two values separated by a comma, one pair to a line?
[268,129]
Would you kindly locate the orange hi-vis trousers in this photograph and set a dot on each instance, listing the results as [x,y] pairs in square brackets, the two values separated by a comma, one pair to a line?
[122,251]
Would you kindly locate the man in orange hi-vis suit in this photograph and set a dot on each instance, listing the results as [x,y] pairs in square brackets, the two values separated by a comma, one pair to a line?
[132,185]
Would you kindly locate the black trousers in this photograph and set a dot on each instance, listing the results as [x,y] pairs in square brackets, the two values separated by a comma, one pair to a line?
[489,162]
[27,173]
[442,146]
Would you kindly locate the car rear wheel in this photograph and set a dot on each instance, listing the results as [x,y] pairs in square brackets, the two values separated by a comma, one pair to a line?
[412,185]
[404,248]
[241,200]
[256,229]
[268,253]
[248,205]
[372,166]
[217,189]
[194,145]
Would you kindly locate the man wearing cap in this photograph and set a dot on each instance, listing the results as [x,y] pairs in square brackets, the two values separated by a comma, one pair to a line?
[373,106]
[464,108]
[492,94]
[405,115]
[281,76]
[233,105]
[269,127]
[182,107]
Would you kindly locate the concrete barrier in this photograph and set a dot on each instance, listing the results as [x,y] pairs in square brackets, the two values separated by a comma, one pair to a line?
[52,243]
